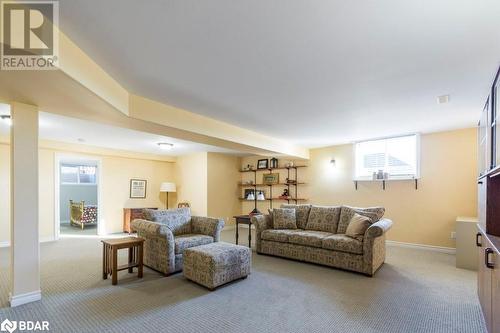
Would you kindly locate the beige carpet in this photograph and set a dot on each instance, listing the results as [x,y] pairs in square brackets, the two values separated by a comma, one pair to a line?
[67,229]
[415,291]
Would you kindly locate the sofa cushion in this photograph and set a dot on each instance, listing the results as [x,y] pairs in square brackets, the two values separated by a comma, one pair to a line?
[301,213]
[357,226]
[308,237]
[342,243]
[374,213]
[177,220]
[324,218]
[186,241]
[280,235]
[284,218]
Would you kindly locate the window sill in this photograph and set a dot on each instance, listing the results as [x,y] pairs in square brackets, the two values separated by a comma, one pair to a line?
[387,180]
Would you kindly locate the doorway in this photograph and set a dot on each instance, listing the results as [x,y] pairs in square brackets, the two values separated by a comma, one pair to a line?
[77,197]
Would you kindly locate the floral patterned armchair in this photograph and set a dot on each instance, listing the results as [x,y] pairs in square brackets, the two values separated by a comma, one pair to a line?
[168,233]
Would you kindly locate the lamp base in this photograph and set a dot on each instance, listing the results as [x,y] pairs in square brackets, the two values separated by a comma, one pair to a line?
[255,211]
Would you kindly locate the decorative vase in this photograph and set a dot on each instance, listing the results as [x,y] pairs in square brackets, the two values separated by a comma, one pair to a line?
[274,162]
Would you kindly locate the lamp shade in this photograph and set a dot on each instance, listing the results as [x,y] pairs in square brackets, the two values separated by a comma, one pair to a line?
[167,187]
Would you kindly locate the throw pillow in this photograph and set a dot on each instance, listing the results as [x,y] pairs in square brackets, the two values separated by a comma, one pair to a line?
[323,218]
[284,218]
[357,226]
[374,213]
[302,213]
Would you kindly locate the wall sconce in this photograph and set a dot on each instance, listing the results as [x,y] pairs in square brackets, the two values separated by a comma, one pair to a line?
[332,162]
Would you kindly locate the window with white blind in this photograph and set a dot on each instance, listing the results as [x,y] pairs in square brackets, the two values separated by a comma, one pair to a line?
[78,174]
[398,157]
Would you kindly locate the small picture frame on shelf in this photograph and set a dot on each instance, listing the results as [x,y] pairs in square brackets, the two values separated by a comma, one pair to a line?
[270,178]
[263,164]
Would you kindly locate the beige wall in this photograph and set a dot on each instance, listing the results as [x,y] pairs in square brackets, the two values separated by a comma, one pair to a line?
[223,189]
[447,187]
[191,175]
[116,174]
[209,182]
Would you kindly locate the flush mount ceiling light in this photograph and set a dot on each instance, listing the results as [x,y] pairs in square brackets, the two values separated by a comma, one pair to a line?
[165,145]
[5,118]
[443,99]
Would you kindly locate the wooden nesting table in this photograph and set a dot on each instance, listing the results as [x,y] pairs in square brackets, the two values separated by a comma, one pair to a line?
[110,256]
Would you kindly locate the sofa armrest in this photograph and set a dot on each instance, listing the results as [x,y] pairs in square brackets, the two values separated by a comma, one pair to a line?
[207,226]
[152,229]
[378,228]
[261,223]
[374,245]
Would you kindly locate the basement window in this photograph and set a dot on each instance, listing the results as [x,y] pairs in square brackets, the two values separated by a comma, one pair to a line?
[396,157]
[78,174]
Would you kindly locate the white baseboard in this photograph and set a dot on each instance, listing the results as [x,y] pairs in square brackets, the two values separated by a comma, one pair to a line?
[442,249]
[25,298]
[42,240]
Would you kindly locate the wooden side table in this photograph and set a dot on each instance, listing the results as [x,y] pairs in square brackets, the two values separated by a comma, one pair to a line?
[110,256]
[245,219]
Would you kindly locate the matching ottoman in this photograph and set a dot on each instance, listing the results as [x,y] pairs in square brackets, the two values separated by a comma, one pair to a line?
[215,264]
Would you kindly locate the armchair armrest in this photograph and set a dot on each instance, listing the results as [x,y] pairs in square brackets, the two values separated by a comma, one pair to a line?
[159,245]
[152,229]
[207,226]
[378,228]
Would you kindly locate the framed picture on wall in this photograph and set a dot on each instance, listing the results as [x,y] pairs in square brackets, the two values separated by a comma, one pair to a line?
[138,188]
[271,178]
[263,164]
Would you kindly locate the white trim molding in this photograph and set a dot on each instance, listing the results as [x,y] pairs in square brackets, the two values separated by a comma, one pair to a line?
[442,249]
[25,298]
[77,158]
[42,240]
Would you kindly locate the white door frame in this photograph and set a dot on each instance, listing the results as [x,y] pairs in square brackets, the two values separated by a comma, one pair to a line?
[74,158]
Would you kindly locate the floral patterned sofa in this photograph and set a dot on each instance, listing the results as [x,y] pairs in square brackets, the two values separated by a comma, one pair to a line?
[168,233]
[320,237]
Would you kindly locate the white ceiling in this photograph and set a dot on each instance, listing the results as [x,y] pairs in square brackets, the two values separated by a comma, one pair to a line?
[314,72]
[70,130]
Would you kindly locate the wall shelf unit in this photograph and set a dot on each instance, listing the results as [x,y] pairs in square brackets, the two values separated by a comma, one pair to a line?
[293,186]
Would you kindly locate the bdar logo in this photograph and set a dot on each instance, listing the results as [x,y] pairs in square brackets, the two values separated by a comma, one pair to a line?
[8,326]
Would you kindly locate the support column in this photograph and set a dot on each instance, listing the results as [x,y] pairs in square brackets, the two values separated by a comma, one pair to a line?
[25,248]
